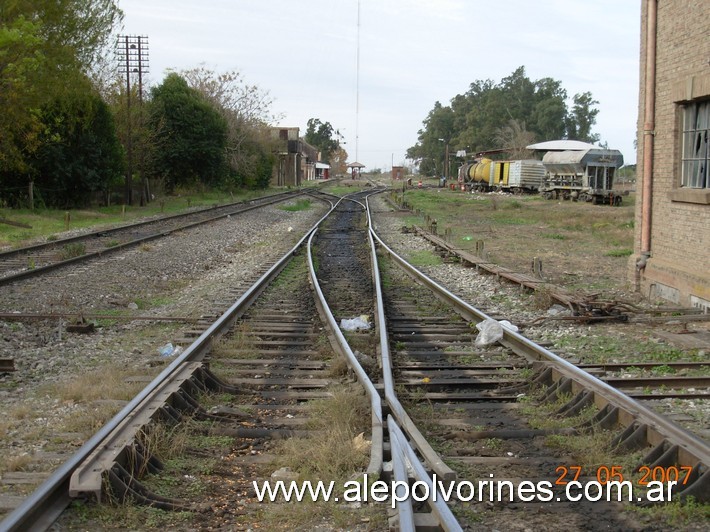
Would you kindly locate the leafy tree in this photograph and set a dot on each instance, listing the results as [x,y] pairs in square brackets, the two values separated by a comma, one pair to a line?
[547,119]
[140,133]
[338,161]
[246,110]
[46,48]
[582,118]
[322,136]
[191,135]
[503,115]
[21,66]
[438,132]
[78,154]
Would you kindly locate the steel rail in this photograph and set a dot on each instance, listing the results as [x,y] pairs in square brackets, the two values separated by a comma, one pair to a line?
[439,508]
[659,431]
[405,512]
[422,445]
[108,231]
[401,451]
[8,279]
[48,501]
[19,316]
[342,346]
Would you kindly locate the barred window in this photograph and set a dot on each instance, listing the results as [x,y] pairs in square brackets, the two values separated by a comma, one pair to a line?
[696,145]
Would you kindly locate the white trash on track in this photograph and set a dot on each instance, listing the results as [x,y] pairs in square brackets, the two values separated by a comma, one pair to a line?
[354,324]
[491,331]
[169,350]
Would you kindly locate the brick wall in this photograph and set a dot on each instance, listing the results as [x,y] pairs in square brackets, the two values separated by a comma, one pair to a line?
[679,266]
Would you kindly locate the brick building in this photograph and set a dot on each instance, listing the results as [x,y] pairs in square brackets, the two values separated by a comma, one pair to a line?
[295,158]
[671,258]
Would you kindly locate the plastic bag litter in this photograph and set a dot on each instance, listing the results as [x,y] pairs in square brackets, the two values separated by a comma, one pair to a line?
[490,331]
[508,325]
[168,350]
[354,324]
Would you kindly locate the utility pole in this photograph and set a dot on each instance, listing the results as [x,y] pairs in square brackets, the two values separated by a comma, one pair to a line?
[446,167]
[132,55]
[446,158]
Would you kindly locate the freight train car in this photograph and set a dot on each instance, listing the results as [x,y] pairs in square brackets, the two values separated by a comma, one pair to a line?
[584,175]
[519,176]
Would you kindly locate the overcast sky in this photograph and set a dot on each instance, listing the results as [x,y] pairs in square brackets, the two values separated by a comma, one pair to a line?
[412,54]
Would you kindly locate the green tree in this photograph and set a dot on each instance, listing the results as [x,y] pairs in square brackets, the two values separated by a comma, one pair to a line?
[246,111]
[46,49]
[21,68]
[322,136]
[191,135]
[439,131]
[547,119]
[495,116]
[582,118]
[80,153]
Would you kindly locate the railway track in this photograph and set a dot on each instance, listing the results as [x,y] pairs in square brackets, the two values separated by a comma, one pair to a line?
[37,259]
[440,403]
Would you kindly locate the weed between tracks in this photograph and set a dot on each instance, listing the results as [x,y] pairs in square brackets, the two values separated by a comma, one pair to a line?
[72,250]
[335,450]
[593,451]
[589,449]
[295,206]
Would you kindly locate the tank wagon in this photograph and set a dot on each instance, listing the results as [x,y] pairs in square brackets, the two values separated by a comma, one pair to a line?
[585,175]
[519,176]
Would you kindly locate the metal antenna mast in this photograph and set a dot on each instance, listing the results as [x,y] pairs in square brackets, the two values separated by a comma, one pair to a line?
[357,87]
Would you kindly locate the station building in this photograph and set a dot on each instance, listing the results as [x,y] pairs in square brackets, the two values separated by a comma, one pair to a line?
[296,160]
[671,260]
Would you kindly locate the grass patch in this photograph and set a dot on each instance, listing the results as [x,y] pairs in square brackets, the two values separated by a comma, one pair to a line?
[19,462]
[72,250]
[619,253]
[555,236]
[89,419]
[298,205]
[238,340]
[425,258]
[144,304]
[85,515]
[107,383]
[591,450]
[600,348]
[677,515]
[50,223]
[332,452]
